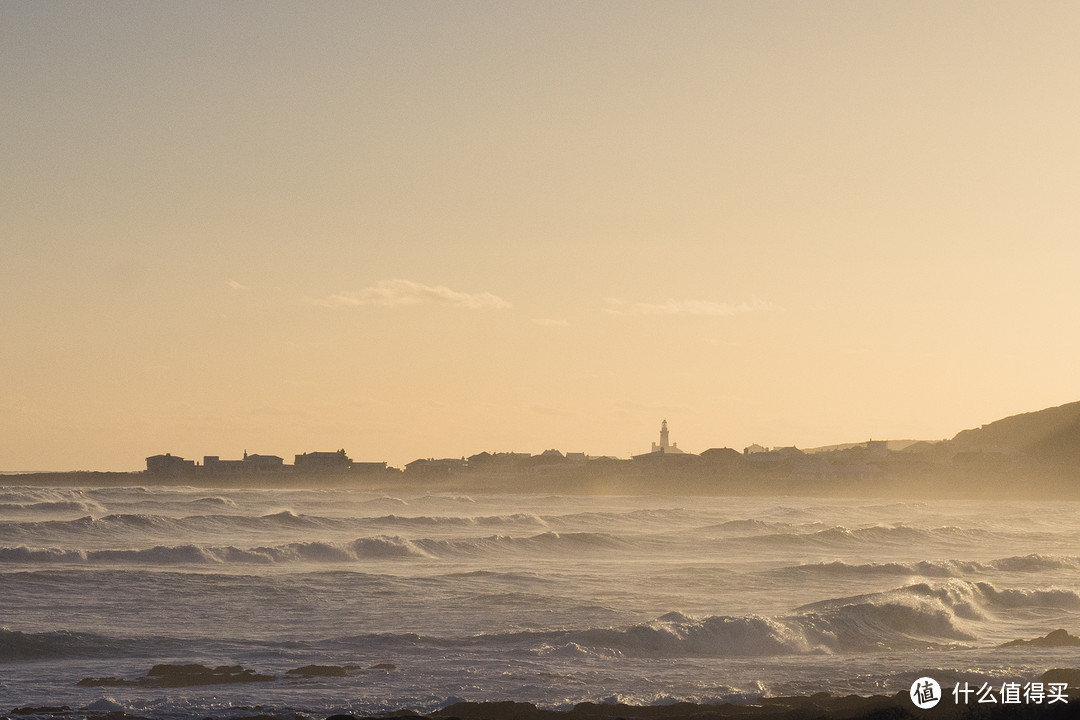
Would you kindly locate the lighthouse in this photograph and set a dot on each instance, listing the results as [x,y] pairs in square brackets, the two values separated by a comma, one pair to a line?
[665,446]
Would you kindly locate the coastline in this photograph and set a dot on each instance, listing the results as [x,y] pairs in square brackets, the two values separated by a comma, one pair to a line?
[817,706]
[955,485]
[1055,694]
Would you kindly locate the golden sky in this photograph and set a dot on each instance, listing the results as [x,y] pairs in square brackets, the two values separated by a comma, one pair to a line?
[431,229]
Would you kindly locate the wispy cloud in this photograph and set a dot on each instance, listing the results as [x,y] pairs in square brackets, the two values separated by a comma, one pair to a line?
[615,306]
[548,322]
[399,293]
[237,286]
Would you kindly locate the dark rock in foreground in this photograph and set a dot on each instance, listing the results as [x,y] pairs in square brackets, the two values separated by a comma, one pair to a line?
[821,706]
[1057,638]
[178,676]
[106,682]
[1070,677]
[309,671]
[191,675]
[42,710]
[813,707]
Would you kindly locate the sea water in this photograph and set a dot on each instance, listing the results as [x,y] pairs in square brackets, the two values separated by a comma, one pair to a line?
[428,599]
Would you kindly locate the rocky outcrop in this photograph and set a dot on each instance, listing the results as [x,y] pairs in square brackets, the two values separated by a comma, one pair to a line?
[1057,638]
[310,671]
[178,676]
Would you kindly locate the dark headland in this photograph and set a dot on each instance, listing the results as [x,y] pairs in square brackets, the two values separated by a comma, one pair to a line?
[1030,456]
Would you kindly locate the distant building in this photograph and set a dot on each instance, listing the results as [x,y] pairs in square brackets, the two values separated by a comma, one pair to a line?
[264,463]
[788,452]
[501,462]
[666,452]
[169,464]
[214,465]
[431,466]
[479,459]
[721,456]
[367,467]
[545,461]
[754,449]
[878,447]
[665,447]
[775,455]
[322,462]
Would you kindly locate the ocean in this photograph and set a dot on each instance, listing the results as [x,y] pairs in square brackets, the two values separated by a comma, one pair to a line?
[428,599]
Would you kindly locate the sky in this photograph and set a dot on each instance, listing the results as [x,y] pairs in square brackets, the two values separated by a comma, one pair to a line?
[431,229]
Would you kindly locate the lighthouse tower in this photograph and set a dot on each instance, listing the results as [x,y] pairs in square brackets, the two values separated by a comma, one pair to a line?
[665,446]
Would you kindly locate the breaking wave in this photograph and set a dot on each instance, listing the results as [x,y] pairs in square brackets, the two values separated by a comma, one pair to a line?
[366,548]
[878,536]
[52,506]
[917,616]
[17,646]
[928,568]
[286,519]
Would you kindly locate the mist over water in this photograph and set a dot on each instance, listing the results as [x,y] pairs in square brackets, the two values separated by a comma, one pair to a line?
[548,599]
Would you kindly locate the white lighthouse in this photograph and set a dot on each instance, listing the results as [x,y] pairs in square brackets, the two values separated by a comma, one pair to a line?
[665,446]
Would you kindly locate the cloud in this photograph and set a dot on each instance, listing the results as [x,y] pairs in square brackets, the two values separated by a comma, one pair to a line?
[548,322]
[616,306]
[237,286]
[399,293]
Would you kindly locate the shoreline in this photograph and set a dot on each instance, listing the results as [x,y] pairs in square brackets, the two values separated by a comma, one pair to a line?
[1055,694]
[804,707]
[955,486]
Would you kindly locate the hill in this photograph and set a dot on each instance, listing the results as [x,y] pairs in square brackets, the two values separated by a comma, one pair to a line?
[1049,436]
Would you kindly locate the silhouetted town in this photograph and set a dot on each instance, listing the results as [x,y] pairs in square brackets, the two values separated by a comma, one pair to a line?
[989,456]
[662,454]
[1027,455]
[859,461]
[313,463]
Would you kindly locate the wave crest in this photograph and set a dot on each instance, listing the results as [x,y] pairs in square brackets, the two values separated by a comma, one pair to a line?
[918,616]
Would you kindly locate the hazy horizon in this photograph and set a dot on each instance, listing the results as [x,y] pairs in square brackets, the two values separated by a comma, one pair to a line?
[426,228]
[287,456]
